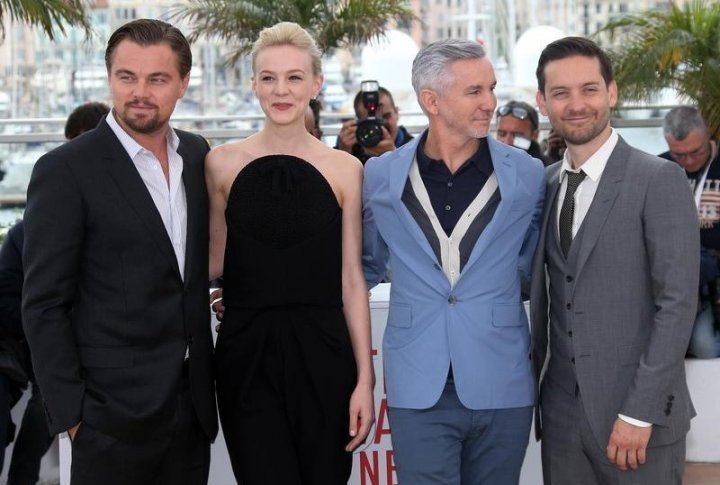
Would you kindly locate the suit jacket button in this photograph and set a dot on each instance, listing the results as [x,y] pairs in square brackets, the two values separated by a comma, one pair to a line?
[452,299]
[671,397]
[569,278]
[667,412]
[570,333]
[572,360]
[568,306]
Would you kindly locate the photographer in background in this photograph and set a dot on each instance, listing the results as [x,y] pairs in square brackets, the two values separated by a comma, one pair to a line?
[517,125]
[372,97]
[691,146]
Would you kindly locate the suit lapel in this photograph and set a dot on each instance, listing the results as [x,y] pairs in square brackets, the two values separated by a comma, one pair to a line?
[194,193]
[603,201]
[123,171]
[399,172]
[506,173]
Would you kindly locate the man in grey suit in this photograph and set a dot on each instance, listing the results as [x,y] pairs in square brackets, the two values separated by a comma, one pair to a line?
[614,289]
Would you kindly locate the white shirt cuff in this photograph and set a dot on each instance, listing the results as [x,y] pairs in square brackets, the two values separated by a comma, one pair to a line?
[634,422]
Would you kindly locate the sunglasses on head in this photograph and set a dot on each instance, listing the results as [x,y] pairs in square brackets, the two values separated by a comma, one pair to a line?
[516,111]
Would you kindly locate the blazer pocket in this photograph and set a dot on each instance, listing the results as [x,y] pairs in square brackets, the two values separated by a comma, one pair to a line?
[400,316]
[507,315]
[107,357]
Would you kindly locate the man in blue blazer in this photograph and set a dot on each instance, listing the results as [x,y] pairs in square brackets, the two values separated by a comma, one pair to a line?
[454,215]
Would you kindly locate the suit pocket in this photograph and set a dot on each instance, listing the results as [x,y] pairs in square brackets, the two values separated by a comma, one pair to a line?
[107,357]
[507,315]
[400,316]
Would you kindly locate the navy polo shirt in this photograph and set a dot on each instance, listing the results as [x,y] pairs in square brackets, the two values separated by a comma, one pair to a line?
[451,194]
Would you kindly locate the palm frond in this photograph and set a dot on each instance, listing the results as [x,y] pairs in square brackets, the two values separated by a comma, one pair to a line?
[334,24]
[679,49]
[48,15]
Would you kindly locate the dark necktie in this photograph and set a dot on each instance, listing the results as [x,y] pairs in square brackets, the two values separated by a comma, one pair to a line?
[568,210]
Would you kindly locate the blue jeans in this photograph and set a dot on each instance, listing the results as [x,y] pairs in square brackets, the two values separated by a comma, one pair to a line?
[705,340]
[449,444]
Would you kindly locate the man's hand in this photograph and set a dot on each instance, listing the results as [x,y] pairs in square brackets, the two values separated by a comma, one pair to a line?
[347,137]
[627,445]
[216,305]
[73,431]
[387,144]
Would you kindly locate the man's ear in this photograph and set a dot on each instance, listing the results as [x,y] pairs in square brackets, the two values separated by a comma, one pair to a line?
[540,100]
[429,100]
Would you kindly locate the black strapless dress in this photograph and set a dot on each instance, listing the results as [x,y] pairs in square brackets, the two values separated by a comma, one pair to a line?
[285,366]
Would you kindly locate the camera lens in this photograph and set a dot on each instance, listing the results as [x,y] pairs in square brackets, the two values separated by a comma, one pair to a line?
[369,132]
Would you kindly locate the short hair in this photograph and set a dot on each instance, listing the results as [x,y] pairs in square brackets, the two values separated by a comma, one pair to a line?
[147,32]
[357,102]
[84,118]
[429,69]
[288,33]
[570,47]
[532,112]
[683,120]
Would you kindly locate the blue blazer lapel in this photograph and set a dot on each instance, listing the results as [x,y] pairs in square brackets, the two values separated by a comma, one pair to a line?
[506,173]
[602,203]
[399,171]
[123,171]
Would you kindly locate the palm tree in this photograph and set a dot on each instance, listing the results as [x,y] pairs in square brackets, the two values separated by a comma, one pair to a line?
[333,23]
[678,48]
[46,14]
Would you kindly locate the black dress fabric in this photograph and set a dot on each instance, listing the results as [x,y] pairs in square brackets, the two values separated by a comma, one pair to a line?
[285,366]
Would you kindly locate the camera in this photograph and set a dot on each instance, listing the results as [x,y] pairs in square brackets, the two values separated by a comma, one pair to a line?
[369,131]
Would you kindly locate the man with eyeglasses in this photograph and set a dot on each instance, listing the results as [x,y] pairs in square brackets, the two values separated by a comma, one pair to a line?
[694,150]
[394,135]
[517,125]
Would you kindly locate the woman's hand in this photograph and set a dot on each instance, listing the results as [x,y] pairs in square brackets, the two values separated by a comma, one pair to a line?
[362,415]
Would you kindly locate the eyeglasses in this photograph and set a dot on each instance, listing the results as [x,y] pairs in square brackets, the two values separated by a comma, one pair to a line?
[697,153]
[516,111]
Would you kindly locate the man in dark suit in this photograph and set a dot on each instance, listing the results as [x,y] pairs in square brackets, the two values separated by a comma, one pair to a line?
[33,438]
[620,247]
[116,283]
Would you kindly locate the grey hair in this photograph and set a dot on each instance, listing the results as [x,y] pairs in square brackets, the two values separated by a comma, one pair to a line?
[683,120]
[429,69]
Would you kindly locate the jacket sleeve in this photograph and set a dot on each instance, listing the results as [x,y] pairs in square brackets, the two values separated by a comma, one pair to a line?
[672,242]
[375,251]
[527,251]
[54,225]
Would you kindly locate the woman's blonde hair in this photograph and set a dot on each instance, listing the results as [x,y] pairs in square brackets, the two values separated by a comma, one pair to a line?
[288,33]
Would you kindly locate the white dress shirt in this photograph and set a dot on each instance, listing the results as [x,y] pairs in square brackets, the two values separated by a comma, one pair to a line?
[169,198]
[593,168]
[584,195]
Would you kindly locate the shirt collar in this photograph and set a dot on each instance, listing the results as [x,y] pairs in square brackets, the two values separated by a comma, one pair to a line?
[131,146]
[480,159]
[593,166]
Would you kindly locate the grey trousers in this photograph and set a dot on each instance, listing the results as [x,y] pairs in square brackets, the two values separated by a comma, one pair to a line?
[571,455]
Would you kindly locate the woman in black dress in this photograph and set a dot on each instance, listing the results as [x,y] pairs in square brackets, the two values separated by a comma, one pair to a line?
[295,378]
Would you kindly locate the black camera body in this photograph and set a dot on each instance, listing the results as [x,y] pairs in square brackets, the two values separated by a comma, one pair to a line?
[369,131]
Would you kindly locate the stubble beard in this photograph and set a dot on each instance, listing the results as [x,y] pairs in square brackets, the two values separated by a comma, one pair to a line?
[143,124]
[585,135]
